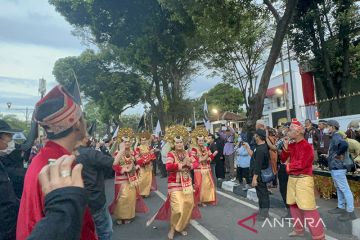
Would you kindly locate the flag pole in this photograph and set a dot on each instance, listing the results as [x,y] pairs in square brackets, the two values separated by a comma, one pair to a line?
[194,117]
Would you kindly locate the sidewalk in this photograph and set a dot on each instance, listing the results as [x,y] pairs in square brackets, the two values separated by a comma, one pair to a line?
[334,228]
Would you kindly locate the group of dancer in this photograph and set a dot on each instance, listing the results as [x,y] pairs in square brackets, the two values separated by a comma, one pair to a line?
[134,177]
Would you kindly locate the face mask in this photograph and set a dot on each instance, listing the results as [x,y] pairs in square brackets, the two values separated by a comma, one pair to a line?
[326,131]
[9,149]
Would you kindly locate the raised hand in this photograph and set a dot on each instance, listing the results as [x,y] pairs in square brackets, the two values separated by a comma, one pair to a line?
[58,174]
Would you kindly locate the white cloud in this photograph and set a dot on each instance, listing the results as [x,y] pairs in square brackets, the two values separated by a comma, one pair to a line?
[30,61]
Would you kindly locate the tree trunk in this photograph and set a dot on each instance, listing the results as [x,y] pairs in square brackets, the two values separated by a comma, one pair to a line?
[329,81]
[256,104]
[344,40]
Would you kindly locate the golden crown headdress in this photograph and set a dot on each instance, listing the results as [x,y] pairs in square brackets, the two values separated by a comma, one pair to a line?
[176,131]
[146,135]
[125,134]
[199,132]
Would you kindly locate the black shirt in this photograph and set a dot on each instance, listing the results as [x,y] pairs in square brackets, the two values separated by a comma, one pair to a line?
[213,147]
[64,211]
[260,160]
[95,166]
[9,206]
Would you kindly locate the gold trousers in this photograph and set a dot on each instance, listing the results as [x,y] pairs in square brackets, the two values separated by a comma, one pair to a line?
[181,209]
[207,191]
[126,202]
[300,191]
[145,179]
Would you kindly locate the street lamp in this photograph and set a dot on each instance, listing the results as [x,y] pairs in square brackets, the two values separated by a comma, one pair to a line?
[9,104]
[279,91]
[216,112]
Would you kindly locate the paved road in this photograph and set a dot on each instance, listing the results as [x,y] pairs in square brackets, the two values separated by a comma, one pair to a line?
[218,222]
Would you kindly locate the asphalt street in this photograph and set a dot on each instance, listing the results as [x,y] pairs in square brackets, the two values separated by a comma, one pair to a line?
[217,222]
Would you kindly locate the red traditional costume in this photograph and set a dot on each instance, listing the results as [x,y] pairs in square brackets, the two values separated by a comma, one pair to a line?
[180,205]
[300,191]
[202,173]
[144,157]
[32,202]
[127,199]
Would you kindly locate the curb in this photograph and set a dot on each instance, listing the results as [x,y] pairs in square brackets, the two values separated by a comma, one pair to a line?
[331,222]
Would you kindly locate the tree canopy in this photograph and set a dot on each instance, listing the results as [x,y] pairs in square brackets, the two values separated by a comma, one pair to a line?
[325,33]
[101,82]
[148,43]
[223,97]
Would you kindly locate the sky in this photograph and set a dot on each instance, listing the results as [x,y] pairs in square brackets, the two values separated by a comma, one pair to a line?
[33,36]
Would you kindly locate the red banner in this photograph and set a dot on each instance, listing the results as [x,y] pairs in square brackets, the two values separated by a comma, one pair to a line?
[308,87]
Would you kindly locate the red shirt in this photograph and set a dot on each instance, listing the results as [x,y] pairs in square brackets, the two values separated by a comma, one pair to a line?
[32,202]
[301,158]
[144,158]
[195,152]
[174,181]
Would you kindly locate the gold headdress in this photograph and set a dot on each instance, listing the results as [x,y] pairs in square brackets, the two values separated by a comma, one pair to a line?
[125,134]
[177,131]
[146,135]
[199,132]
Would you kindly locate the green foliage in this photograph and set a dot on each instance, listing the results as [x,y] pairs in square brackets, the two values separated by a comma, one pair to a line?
[148,43]
[235,36]
[112,89]
[324,34]
[130,121]
[93,114]
[223,97]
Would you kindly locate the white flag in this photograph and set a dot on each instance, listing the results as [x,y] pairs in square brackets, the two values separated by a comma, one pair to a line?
[206,111]
[158,129]
[116,132]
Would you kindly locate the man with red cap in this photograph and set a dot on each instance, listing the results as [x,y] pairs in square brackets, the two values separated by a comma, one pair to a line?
[62,119]
[299,156]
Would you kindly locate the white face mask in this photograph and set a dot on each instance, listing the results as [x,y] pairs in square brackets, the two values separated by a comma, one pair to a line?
[9,149]
[326,131]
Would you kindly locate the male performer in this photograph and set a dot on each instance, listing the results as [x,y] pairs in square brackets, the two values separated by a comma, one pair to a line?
[300,189]
[61,117]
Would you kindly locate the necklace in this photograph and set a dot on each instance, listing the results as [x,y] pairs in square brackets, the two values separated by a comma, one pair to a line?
[127,158]
[180,156]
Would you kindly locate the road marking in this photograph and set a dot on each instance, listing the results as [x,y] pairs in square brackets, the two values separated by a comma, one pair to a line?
[206,233]
[255,207]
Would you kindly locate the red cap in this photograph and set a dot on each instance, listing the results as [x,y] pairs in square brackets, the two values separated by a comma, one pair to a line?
[296,124]
[57,111]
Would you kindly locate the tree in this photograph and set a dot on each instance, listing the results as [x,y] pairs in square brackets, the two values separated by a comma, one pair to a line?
[101,82]
[93,114]
[197,9]
[148,43]
[235,37]
[223,97]
[130,121]
[324,34]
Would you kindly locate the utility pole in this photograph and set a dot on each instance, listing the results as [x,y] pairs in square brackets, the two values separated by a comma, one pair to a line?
[285,92]
[291,77]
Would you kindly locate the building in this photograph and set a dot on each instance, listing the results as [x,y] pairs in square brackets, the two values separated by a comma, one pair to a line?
[293,84]
[225,119]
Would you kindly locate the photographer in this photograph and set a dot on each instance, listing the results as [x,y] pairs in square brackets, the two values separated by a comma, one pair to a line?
[243,157]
